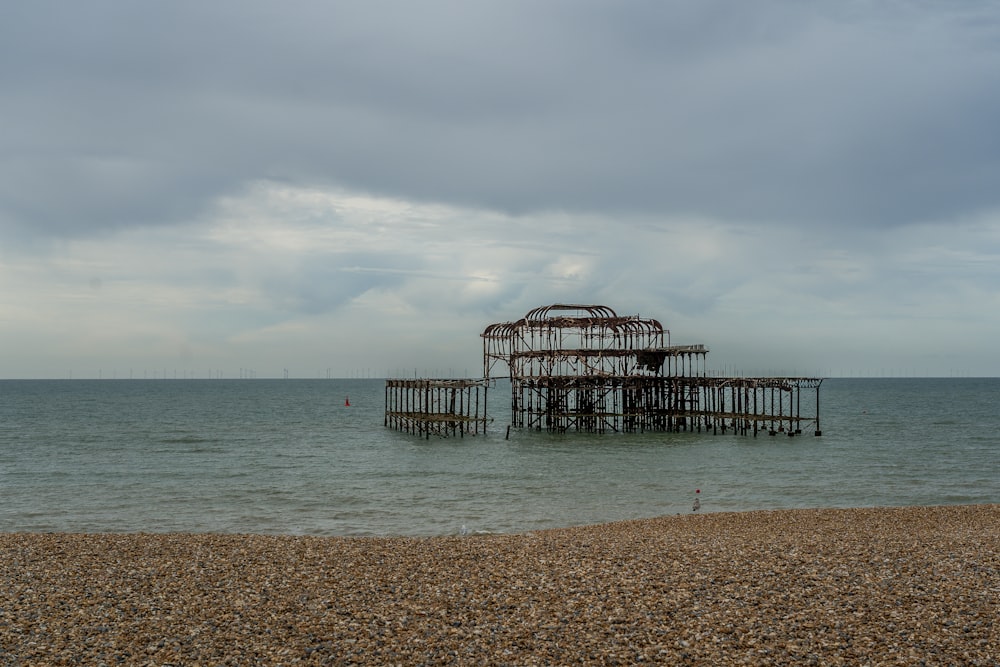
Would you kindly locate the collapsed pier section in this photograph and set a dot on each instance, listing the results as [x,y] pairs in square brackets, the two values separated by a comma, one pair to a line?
[446,407]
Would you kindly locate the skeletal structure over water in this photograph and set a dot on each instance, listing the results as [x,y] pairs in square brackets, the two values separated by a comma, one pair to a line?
[585,368]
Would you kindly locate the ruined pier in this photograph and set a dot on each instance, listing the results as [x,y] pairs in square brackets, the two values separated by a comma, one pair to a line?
[445,407]
[585,368]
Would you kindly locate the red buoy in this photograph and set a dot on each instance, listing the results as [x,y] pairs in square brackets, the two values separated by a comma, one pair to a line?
[347,402]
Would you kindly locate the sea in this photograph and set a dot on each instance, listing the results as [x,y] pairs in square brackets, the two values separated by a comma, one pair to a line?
[313,457]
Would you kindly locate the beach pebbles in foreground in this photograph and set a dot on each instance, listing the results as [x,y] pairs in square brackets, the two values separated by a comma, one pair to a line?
[878,586]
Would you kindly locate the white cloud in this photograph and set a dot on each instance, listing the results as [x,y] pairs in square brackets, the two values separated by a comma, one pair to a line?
[307,279]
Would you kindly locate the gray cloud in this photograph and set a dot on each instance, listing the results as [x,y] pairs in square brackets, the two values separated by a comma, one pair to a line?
[117,114]
[790,183]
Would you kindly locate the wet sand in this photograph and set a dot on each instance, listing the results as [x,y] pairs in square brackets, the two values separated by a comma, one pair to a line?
[880,586]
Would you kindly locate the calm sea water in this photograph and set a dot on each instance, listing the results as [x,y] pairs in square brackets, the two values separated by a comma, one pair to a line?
[287,456]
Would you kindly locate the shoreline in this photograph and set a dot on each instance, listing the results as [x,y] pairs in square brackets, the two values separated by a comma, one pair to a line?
[887,585]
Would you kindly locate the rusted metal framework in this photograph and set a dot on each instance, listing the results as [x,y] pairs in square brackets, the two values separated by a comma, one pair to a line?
[750,405]
[586,368]
[579,367]
[573,341]
[436,407]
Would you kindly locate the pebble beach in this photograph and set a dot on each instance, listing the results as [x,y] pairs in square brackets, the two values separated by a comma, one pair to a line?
[874,586]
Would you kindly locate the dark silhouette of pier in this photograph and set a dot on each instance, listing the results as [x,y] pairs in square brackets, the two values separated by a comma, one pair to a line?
[585,368]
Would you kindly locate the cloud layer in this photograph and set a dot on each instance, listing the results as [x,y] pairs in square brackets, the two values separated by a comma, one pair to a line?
[803,187]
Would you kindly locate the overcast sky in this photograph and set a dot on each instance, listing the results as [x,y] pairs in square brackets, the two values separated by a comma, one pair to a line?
[192,188]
